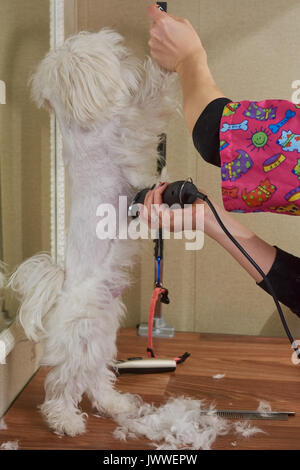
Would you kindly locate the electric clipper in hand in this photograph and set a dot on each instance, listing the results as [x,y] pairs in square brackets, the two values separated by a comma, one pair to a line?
[179,192]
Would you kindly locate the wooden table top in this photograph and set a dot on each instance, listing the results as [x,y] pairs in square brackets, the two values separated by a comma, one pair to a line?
[255,368]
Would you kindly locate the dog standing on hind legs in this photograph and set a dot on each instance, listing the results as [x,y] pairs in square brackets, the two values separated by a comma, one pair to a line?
[111,109]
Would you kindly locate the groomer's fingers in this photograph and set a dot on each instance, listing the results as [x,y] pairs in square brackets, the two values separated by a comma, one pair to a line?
[155,13]
[148,204]
[178,18]
[152,202]
[160,209]
[149,197]
[158,192]
[155,46]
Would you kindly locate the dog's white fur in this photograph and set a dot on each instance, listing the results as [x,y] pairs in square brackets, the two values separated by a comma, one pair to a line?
[111,108]
[179,423]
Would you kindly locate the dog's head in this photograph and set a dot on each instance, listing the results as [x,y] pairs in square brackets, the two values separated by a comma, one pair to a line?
[88,79]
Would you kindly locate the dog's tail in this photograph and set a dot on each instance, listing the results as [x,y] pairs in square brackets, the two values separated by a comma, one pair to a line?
[37,283]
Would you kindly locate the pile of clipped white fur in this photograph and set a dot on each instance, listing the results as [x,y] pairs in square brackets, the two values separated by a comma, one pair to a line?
[10,445]
[264,408]
[179,424]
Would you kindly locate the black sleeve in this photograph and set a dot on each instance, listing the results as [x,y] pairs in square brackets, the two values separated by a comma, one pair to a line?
[206,131]
[284,276]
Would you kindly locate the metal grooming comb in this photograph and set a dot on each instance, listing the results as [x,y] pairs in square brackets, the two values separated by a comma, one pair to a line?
[246,414]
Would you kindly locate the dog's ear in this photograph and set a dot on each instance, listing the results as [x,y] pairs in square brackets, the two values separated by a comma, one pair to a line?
[83,79]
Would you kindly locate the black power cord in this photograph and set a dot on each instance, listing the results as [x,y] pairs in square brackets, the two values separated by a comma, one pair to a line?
[204,198]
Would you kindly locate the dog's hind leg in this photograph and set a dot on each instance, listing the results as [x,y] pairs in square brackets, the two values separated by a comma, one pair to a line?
[65,351]
[100,373]
[60,408]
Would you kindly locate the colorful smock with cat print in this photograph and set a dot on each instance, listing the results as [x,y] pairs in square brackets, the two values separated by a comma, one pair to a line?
[260,156]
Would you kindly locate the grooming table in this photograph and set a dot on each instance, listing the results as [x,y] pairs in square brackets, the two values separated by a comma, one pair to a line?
[255,368]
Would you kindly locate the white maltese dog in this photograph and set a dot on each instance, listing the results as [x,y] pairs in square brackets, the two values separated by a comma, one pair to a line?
[111,109]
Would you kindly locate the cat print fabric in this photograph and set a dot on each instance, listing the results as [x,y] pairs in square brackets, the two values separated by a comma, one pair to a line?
[260,156]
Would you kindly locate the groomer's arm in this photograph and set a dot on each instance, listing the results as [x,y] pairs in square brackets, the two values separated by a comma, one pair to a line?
[176,46]
[262,253]
[282,268]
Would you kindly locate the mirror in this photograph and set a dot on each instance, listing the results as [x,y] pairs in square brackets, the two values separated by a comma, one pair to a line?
[26,141]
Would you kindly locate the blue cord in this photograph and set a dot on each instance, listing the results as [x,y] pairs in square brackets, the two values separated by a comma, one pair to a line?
[158,270]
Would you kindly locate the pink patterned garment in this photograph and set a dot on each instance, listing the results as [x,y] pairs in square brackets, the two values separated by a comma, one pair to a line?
[260,156]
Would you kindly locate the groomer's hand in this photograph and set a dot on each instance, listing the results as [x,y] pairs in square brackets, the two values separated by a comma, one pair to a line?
[156,214]
[173,39]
